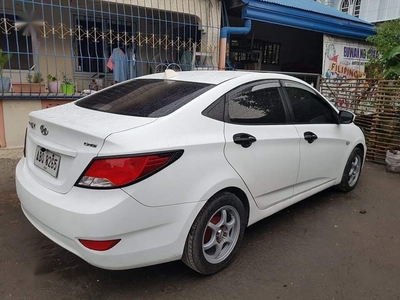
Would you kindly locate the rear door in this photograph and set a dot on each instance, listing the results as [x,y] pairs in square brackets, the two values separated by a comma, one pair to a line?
[322,144]
[260,145]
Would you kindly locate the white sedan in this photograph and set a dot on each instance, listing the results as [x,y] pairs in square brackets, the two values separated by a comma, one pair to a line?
[175,165]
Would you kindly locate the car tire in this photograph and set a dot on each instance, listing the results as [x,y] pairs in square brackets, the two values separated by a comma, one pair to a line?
[352,171]
[216,234]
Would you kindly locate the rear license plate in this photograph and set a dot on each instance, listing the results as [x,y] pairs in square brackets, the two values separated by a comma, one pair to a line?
[47,161]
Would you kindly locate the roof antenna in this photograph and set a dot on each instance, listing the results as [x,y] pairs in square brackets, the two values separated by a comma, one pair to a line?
[170,74]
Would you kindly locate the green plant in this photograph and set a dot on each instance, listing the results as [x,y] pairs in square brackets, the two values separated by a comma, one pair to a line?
[392,64]
[65,79]
[35,78]
[51,78]
[4,58]
[387,42]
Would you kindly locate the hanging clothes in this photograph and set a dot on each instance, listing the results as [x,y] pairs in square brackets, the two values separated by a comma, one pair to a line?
[132,62]
[186,60]
[118,62]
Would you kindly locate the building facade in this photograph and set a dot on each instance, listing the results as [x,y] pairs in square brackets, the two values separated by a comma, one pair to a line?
[373,11]
[57,51]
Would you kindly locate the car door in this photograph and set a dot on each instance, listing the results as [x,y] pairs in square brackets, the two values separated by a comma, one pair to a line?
[323,143]
[260,145]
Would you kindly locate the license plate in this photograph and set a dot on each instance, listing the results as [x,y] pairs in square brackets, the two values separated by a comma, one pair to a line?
[47,161]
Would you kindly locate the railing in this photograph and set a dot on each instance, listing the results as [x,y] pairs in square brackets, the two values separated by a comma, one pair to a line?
[60,50]
[376,104]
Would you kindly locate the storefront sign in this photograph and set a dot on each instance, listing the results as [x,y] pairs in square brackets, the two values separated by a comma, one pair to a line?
[346,59]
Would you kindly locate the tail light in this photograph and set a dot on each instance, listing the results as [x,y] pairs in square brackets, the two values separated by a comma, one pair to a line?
[115,172]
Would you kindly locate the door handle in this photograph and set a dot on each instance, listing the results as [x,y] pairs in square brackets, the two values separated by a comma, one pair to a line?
[244,139]
[310,137]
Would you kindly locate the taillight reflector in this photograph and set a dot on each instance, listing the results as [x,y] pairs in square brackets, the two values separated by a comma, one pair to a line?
[99,245]
[26,133]
[122,171]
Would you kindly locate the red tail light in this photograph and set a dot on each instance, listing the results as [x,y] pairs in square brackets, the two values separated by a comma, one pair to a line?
[99,245]
[116,172]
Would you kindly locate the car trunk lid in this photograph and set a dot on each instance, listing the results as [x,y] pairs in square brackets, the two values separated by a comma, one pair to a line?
[62,141]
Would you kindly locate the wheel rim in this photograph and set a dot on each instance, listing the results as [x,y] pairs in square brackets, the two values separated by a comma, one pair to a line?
[221,234]
[355,169]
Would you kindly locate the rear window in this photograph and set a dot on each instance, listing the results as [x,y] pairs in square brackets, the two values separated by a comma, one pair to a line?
[144,97]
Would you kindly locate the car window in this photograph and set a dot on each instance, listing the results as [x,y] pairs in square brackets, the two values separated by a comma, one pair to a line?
[145,97]
[216,110]
[307,106]
[257,104]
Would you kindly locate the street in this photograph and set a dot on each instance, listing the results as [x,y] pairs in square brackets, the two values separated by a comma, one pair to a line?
[330,246]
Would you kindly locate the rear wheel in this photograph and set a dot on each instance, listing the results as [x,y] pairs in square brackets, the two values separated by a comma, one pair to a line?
[352,171]
[216,234]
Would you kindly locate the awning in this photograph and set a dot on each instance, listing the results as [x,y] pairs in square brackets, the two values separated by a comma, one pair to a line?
[307,15]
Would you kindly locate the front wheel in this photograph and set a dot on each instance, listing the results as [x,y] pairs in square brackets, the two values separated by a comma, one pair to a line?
[352,171]
[216,234]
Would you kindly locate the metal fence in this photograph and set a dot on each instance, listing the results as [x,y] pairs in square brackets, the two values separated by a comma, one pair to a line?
[58,48]
[376,104]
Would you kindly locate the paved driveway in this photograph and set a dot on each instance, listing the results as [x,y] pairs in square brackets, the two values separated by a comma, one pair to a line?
[321,248]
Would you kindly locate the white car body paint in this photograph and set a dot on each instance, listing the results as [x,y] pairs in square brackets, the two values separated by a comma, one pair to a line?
[153,217]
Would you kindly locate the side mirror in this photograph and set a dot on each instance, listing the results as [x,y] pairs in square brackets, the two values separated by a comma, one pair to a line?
[345,117]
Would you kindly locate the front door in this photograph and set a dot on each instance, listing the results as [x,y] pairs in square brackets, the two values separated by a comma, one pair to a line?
[260,145]
[322,141]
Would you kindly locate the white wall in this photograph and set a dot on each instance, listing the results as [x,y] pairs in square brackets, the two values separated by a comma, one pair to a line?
[379,10]
[373,10]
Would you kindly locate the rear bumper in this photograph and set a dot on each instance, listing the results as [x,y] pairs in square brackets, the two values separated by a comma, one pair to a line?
[149,235]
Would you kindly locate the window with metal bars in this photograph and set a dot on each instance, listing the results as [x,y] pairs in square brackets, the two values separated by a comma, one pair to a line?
[271,53]
[351,7]
[92,54]
[18,43]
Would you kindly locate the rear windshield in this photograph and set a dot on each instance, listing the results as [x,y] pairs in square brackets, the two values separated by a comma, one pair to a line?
[144,97]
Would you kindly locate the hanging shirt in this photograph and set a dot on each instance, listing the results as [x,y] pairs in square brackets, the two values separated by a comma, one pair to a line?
[119,64]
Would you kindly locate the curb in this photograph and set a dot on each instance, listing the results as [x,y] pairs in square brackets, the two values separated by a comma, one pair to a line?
[11,153]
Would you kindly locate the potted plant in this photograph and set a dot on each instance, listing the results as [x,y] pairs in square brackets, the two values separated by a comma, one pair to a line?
[5,82]
[53,84]
[67,87]
[34,85]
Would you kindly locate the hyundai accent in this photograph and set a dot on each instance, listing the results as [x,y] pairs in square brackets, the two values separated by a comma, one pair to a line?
[176,165]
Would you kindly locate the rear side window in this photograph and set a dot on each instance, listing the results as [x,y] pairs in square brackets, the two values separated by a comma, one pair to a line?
[308,107]
[258,104]
[144,97]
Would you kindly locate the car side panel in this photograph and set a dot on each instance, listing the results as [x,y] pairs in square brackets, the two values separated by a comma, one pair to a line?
[194,176]
[270,166]
[322,160]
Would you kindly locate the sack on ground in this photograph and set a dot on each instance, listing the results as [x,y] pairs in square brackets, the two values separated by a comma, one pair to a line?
[393,160]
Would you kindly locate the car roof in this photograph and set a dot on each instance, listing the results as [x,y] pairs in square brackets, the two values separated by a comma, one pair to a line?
[211,77]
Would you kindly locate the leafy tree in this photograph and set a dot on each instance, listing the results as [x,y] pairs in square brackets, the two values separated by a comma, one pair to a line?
[387,42]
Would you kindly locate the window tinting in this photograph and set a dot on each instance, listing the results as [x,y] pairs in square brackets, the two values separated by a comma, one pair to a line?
[216,110]
[309,107]
[259,104]
[144,97]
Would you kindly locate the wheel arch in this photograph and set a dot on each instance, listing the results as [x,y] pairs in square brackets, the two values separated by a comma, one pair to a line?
[361,146]
[242,197]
